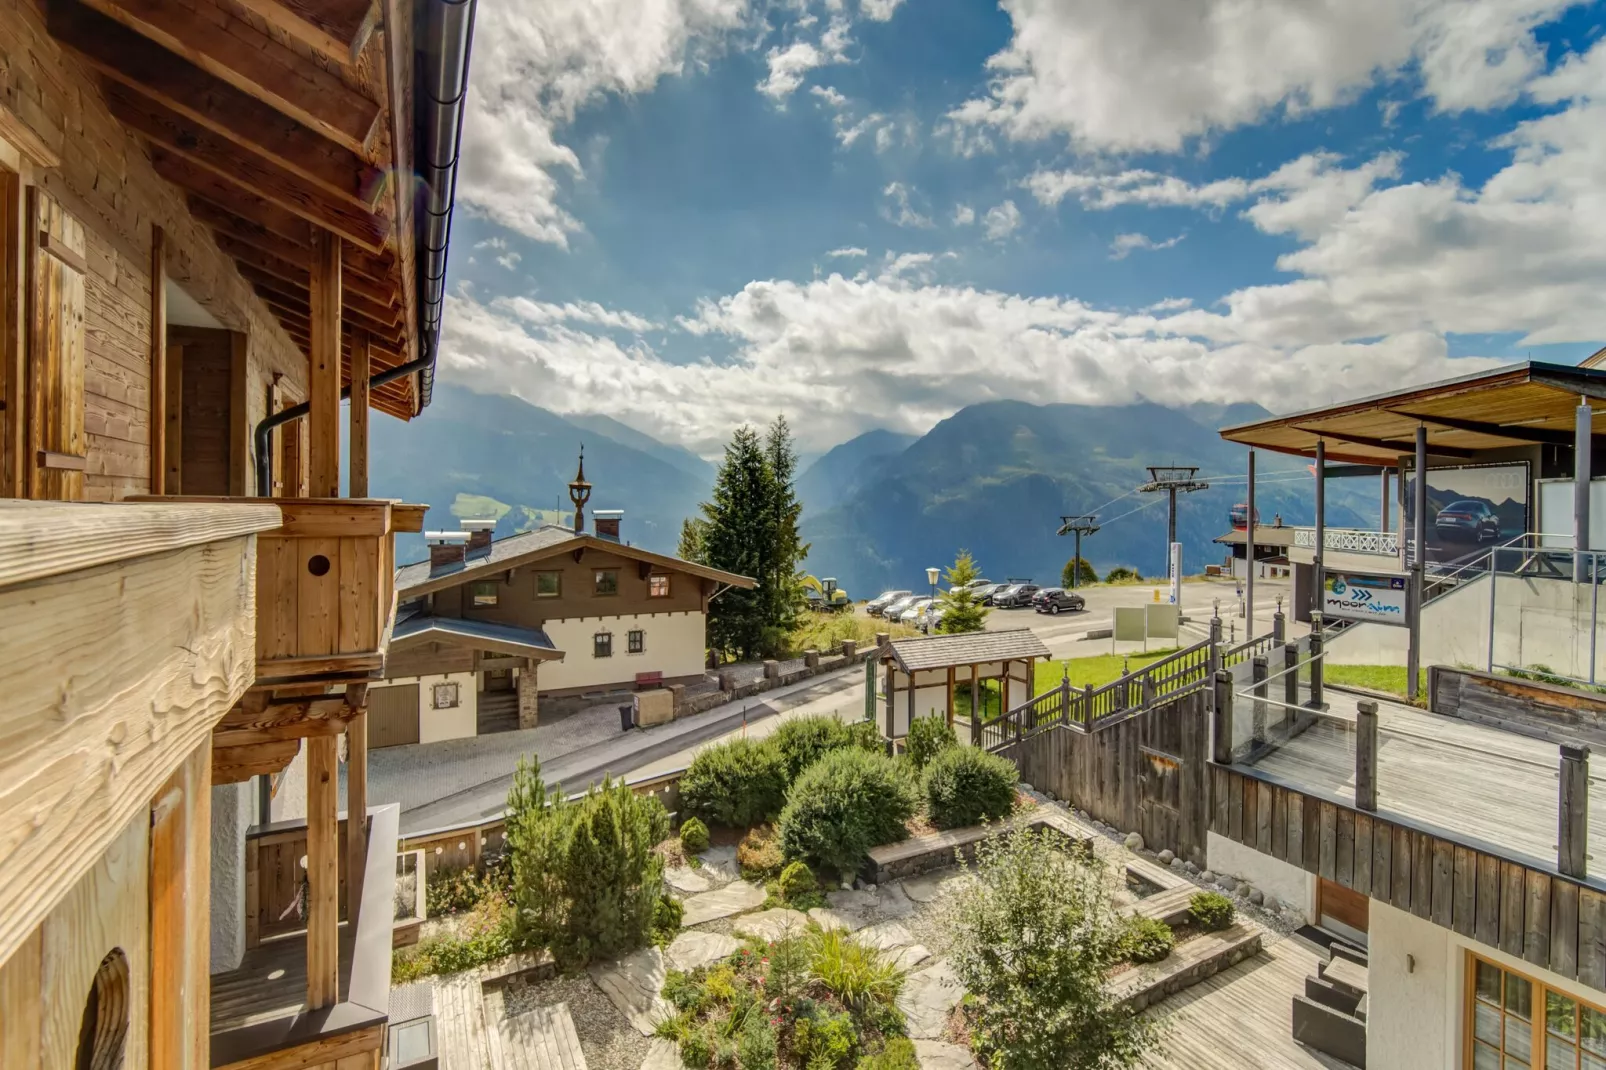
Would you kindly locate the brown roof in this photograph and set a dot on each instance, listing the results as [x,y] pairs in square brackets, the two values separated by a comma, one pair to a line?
[967,648]
[1265,535]
[1528,403]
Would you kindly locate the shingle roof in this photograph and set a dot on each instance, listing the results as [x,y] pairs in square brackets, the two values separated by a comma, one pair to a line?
[500,550]
[969,648]
[1265,535]
[532,639]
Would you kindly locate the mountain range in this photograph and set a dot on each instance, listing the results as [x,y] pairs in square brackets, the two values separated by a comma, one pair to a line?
[994,478]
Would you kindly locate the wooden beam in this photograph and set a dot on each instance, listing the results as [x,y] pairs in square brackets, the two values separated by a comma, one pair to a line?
[222,43]
[323,377]
[244,727]
[399,59]
[298,310]
[376,299]
[337,28]
[13,335]
[323,873]
[379,267]
[232,765]
[252,216]
[356,802]
[1396,446]
[1536,435]
[158,358]
[211,103]
[357,480]
[261,175]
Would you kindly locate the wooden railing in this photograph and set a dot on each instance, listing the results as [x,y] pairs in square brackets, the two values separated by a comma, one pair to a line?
[1248,649]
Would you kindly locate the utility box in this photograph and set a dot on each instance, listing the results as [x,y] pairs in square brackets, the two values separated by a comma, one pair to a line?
[654,707]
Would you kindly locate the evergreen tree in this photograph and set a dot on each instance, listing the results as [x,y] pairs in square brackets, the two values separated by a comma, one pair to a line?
[962,611]
[693,532]
[736,540]
[785,549]
[1081,570]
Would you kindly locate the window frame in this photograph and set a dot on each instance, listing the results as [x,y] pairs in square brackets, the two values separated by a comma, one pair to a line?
[1539,1033]
[601,645]
[482,589]
[636,641]
[557,577]
[654,580]
[596,583]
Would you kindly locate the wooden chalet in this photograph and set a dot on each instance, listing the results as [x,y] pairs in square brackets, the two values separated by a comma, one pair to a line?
[218,219]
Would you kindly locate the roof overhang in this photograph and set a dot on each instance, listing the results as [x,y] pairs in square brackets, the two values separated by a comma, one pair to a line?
[1519,405]
[476,635]
[966,648]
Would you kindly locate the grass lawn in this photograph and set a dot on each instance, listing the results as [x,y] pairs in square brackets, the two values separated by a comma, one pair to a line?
[1389,678]
[824,631]
[1097,670]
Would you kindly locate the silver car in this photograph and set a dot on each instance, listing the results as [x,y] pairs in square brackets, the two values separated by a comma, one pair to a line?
[912,613]
[894,609]
[878,604]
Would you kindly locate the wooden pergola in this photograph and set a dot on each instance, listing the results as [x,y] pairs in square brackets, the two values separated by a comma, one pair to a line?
[926,670]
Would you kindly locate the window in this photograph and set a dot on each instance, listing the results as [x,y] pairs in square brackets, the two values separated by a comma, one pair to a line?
[482,594]
[657,586]
[602,645]
[606,582]
[444,697]
[638,641]
[1505,1033]
[548,584]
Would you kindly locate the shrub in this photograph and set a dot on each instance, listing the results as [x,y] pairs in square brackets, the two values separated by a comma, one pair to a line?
[796,887]
[697,1048]
[966,786]
[1148,939]
[843,805]
[737,784]
[1034,936]
[1212,911]
[451,891]
[854,973]
[486,935]
[586,881]
[1122,574]
[826,1041]
[693,836]
[899,1054]
[756,1047]
[803,741]
[666,918]
[928,737]
[759,854]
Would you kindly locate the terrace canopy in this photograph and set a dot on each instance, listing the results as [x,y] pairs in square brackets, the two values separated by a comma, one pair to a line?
[925,671]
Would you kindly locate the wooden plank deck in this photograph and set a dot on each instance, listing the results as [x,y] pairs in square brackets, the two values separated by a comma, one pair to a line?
[1466,779]
[540,1039]
[1242,1017]
[460,1033]
[270,983]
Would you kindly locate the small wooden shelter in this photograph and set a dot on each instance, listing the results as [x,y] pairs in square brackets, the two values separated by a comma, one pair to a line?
[925,671]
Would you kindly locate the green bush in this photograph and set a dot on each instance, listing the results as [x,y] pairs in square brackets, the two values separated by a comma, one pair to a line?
[1148,939]
[928,737]
[899,1054]
[693,836]
[486,935]
[697,1048]
[666,918]
[797,887]
[825,1042]
[843,805]
[966,786]
[759,856]
[756,1046]
[803,741]
[1122,574]
[1212,911]
[587,883]
[738,784]
[856,974]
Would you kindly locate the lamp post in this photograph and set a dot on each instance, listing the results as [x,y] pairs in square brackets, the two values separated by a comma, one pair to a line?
[931,578]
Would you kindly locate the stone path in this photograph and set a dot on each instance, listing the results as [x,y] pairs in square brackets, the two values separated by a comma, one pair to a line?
[632,985]
[773,925]
[663,1055]
[734,898]
[687,881]
[691,950]
[720,863]
[828,919]
[938,1055]
[887,936]
[928,998]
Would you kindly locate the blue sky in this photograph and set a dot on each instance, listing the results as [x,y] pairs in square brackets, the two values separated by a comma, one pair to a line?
[868,213]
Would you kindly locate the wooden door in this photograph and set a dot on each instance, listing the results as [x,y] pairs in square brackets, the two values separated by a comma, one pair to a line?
[54,452]
[392,715]
[1335,903]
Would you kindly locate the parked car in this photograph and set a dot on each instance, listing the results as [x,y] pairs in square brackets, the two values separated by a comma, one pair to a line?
[1015,597]
[1058,600]
[984,595]
[880,602]
[894,610]
[933,617]
[973,585]
[1467,521]
[910,614]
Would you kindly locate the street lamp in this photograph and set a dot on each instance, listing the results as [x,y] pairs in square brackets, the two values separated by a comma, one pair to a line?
[931,578]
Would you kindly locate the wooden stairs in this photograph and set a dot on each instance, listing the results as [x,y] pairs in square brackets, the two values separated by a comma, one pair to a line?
[475,1032]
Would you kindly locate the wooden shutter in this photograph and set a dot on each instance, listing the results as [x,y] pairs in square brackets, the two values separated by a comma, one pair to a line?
[55,387]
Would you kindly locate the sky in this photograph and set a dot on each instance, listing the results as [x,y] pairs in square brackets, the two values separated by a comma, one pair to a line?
[687,214]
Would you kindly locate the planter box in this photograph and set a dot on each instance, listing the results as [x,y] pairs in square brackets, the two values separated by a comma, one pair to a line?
[1189,964]
[922,854]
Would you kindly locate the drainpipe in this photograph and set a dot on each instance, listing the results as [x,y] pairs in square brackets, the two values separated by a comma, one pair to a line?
[441,79]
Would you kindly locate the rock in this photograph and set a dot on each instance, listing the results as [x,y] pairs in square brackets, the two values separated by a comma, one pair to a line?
[686,880]
[691,950]
[931,886]
[939,1055]
[631,984]
[853,902]
[1208,877]
[734,898]
[1025,787]
[887,936]
[720,863]
[1050,796]
[1134,842]
[1166,857]
[909,957]
[772,925]
[847,885]
[927,999]
[1193,870]
[835,919]
[662,1055]
[894,902]
[1176,864]
[1256,896]
[1227,882]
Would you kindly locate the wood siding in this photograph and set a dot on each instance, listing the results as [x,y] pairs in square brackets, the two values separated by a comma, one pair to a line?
[517,603]
[205,456]
[392,715]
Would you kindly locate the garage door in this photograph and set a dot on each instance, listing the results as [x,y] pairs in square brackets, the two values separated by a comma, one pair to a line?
[392,715]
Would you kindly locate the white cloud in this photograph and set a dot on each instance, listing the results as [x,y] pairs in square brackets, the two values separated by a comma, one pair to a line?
[878,10]
[1001,221]
[1132,75]
[1170,304]
[543,313]
[509,260]
[497,242]
[1126,244]
[535,65]
[850,250]
[900,209]
[964,215]
[830,95]
[789,65]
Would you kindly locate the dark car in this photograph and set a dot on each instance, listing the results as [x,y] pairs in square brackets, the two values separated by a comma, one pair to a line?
[1057,600]
[1015,596]
[1467,521]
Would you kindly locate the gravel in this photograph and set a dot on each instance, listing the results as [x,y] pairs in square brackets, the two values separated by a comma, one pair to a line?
[607,1039]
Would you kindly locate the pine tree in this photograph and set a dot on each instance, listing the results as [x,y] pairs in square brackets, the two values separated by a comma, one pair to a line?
[785,549]
[962,611]
[693,533]
[1082,571]
[736,540]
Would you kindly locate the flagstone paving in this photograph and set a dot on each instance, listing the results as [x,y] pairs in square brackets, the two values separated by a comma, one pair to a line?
[734,898]
[632,985]
[887,936]
[827,918]
[773,925]
[927,999]
[686,880]
[691,950]
[664,1055]
[939,1055]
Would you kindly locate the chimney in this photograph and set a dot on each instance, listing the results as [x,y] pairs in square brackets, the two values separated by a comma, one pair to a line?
[608,523]
[445,549]
[479,536]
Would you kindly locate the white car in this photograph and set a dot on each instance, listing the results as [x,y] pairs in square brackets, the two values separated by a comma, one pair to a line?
[875,606]
[914,611]
[894,610]
[933,618]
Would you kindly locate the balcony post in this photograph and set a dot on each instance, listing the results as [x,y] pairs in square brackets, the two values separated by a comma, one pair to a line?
[1221,735]
[1316,643]
[1583,438]
[356,793]
[357,472]
[1572,813]
[1318,570]
[1259,672]
[323,377]
[1291,675]
[323,873]
[1419,538]
[1366,755]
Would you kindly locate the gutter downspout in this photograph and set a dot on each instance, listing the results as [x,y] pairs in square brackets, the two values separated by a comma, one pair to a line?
[440,76]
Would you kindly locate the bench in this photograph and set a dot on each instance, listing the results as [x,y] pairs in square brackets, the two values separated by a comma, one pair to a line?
[647,680]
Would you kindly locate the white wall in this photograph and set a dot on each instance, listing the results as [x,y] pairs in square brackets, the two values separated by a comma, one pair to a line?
[676,645]
[1290,884]
[232,807]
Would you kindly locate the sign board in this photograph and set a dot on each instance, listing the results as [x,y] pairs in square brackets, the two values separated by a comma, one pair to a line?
[1131,624]
[1174,574]
[1164,622]
[1374,596]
